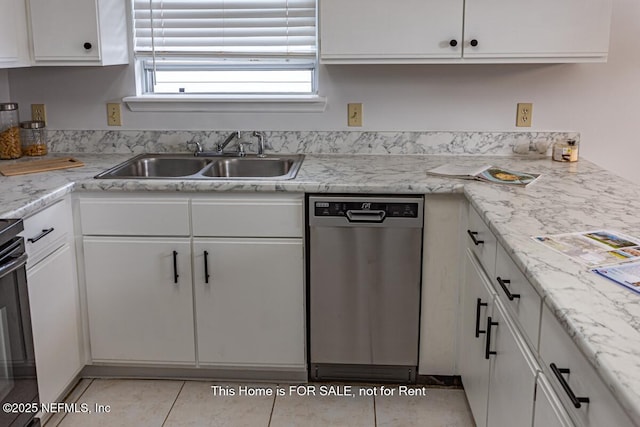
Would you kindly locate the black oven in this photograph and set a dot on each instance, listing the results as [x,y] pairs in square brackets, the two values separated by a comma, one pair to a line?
[18,380]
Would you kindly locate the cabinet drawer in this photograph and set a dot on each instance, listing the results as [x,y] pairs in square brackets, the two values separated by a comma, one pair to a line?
[47,230]
[142,217]
[482,242]
[242,216]
[518,295]
[557,347]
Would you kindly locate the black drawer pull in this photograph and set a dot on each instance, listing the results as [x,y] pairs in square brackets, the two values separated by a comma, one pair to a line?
[487,349]
[41,235]
[473,235]
[479,304]
[503,284]
[577,401]
[175,267]
[206,267]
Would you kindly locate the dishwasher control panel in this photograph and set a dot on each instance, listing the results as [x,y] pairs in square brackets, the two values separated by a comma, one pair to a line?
[333,209]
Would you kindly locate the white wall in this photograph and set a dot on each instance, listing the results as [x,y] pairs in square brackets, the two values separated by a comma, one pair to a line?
[602,101]
[4,86]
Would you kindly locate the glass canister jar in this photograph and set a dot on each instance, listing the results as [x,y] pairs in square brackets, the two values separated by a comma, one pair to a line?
[34,138]
[10,147]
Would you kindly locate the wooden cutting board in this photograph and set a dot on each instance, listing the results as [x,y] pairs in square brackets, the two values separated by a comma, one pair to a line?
[33,166]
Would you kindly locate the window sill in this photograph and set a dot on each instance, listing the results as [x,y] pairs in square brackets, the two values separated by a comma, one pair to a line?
[227,104]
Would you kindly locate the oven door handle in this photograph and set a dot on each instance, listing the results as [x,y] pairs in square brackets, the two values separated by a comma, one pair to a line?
[13,265]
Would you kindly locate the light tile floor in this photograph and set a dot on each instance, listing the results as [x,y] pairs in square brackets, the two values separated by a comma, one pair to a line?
[168,403]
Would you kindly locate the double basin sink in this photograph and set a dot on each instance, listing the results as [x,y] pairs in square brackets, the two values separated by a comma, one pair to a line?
[188,166]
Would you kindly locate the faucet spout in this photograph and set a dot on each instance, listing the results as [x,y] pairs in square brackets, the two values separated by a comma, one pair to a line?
[227,141]
[261,137]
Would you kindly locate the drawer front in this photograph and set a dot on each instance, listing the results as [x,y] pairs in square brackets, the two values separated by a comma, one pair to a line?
[141,217]
[482,242]
[47,230]
[557,347]
[517,294]
[255,216]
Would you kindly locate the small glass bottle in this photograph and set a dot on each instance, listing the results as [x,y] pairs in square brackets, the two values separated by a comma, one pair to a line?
[34,138]
[565,151]
[10,147]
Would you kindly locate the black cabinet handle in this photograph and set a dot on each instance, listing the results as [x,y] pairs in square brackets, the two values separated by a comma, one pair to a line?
[503,284]
[473,235]
[479,304]
[453,43]
[87,45]
[175,267]
[577,401]
[40,236]
[206,267]
[487,349]
[474,42]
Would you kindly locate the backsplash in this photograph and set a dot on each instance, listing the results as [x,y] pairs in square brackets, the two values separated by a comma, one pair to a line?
[322,142]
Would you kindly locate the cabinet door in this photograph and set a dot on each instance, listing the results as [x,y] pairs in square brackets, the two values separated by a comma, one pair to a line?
[548,409]
[512,380]
[477,304]
[14,46]
[64,29]
[53,298]
[542,29]
[389,31]
[137,311]
[251,311]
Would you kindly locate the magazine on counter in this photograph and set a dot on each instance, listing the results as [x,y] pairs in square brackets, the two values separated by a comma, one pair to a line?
[610,254]
[485,173]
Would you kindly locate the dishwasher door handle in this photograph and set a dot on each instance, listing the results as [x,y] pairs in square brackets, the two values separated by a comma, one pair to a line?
[366,216]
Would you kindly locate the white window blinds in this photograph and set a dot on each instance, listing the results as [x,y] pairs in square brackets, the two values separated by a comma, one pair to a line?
[225,28]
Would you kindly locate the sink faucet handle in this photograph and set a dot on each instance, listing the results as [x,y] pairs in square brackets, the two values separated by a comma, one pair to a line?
[261,138]
[198,147]
[241,150]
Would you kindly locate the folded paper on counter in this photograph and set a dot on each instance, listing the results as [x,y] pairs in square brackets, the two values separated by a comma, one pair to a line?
[486,173]
[610,254]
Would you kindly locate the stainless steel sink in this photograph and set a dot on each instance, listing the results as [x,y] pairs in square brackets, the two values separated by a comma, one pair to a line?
[185,166]
[254,167]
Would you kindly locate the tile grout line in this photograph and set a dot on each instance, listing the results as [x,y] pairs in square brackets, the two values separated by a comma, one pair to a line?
[174,403]
[375,413]
[64,414]
[273,405]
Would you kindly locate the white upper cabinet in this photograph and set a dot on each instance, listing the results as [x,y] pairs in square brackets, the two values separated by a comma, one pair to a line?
[14,40]
[395,31]
[537,31]
[78,32]
[456,31]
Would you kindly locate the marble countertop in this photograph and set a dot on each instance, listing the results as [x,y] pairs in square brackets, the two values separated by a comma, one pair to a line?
[602,318]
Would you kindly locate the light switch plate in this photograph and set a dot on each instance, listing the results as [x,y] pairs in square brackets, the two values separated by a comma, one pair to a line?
[354,114]
[113,114]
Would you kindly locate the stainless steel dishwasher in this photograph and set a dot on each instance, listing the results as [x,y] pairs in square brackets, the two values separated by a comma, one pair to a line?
[365,257]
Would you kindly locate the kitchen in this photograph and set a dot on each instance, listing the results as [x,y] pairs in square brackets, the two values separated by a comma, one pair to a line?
[456,99]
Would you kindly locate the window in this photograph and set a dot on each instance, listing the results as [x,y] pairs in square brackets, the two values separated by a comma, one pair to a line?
[226,46]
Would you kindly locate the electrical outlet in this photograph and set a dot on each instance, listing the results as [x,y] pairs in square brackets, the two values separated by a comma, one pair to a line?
[523,115]
[113,114]
[354,114]
[38,113]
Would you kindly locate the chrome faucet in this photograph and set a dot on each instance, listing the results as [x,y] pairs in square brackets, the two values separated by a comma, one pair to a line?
[198,149]
[227,141]
[261,138]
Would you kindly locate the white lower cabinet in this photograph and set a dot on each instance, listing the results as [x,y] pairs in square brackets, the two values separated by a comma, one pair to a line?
[221,285]
[249,301]
[549,412]
[139,299]
[512,378]
[477,305]
[53,298]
